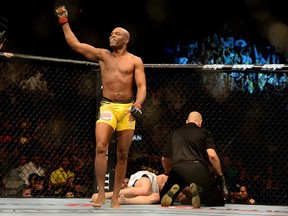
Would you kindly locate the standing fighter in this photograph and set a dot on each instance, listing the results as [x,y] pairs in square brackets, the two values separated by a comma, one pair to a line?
[119,109]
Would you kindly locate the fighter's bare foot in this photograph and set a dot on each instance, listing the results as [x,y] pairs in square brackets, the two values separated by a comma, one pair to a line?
[121,199]
[114,203]
[94,197]
[99,202]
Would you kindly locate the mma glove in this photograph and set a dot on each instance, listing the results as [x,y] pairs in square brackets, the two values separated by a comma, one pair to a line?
[62,14]
[135,110]
[223,185]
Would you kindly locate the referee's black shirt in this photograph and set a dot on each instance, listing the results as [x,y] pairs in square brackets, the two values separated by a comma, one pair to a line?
[189,143]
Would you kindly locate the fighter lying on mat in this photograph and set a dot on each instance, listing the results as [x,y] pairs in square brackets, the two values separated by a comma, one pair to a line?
[144,188]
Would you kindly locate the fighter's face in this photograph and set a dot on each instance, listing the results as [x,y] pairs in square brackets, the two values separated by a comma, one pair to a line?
[116,38]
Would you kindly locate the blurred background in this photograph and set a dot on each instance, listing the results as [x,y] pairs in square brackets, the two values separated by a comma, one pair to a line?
[156,26]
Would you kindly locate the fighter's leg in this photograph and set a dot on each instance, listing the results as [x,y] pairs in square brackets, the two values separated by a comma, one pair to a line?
[103,133]
[124,140]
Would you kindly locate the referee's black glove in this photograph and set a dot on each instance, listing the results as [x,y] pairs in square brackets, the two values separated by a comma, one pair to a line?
[223,185]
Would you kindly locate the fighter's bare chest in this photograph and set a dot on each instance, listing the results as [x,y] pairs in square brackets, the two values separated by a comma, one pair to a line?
[120,65]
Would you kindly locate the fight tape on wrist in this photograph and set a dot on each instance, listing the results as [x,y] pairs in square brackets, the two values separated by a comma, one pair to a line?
[63,20]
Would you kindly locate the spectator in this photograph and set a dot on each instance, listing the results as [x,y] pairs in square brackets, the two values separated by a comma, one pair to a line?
[240,196]
[34,83]
[59,177]
[283,89]
[245,56]
[12,182]
[74,189]
[27,192]
[181,55]
[241,43]
[33,166]
[230,171]
[37,187]
[259,58]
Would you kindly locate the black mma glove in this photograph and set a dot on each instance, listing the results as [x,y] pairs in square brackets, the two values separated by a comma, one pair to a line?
[223,185]
[135,110]
[62,14]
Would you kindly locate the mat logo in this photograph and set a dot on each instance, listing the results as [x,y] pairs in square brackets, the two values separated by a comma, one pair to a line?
[272,66]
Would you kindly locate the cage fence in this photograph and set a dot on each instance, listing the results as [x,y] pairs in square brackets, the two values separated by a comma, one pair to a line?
[49,109]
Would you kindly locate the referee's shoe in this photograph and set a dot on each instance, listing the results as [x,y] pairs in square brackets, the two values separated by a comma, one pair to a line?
[196,202]
[168,197]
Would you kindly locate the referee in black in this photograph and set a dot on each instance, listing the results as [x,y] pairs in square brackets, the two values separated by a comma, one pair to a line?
[186,158]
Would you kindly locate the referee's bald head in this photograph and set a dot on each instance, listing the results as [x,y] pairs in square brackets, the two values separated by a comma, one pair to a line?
[195,117]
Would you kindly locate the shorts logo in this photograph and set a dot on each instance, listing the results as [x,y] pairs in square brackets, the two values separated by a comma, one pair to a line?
[106,116]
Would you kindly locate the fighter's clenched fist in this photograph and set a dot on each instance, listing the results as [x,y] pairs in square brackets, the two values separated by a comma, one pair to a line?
[62,14]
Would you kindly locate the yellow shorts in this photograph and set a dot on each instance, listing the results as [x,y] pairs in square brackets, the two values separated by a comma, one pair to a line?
[116,114]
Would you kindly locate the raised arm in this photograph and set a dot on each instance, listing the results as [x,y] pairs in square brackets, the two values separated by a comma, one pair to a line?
[88,51]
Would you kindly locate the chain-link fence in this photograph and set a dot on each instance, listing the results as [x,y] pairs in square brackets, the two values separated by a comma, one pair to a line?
[49,109]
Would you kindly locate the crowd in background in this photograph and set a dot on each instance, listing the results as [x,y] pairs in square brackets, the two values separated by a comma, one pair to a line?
[31,166]
[225,47]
